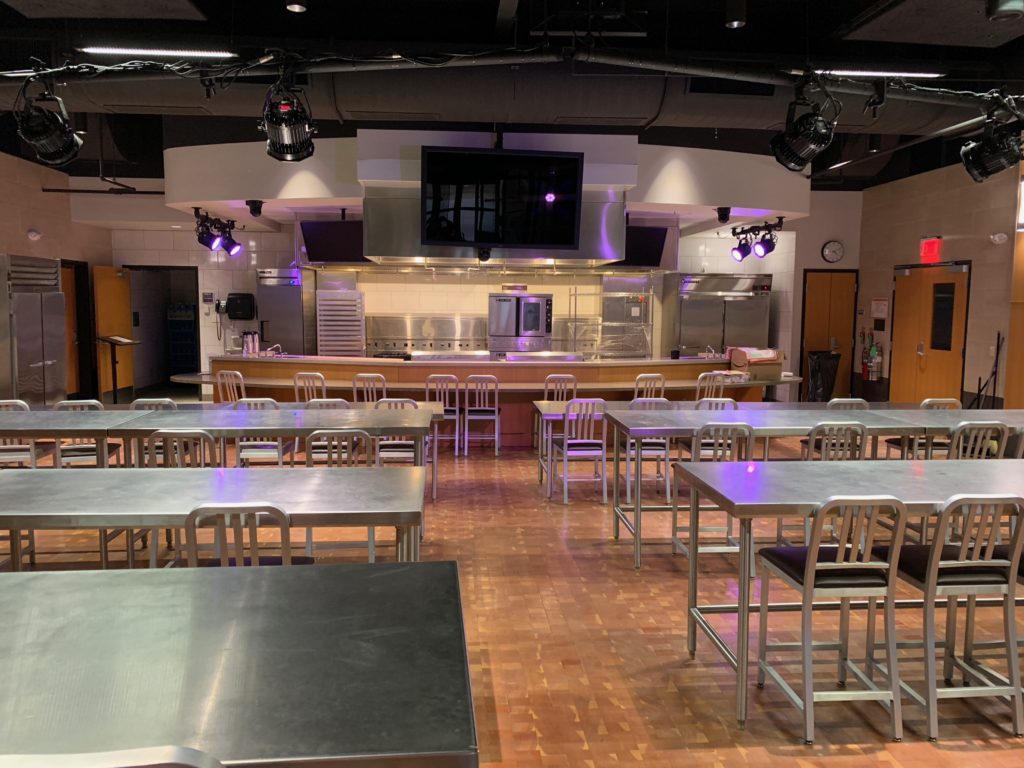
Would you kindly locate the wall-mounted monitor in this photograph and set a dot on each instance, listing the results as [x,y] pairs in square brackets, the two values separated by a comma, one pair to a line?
[501,198]
[333,242]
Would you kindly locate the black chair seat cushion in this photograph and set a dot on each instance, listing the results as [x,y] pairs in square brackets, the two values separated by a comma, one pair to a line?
[1002,551]
[792,561]
[897,442]
[482,411]
[579,445]
[914,564]
[269,560]
[451,411]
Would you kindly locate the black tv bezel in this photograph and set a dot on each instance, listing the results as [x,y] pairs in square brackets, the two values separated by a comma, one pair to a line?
[424,150]
[361,259]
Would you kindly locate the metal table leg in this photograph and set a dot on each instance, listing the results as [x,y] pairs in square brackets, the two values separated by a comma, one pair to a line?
[637,506]
[433,471]
[743,623]
[693,549]
[615,482]
[15,538]
[550,432]
[102,459]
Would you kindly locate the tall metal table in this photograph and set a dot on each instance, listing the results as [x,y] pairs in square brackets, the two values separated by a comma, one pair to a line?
[336,666]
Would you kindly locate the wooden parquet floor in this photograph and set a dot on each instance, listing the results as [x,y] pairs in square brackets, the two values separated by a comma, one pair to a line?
[578,660]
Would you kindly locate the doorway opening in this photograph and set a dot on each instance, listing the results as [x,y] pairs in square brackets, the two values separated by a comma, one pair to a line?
[165,323]
[828,324]
[79,330]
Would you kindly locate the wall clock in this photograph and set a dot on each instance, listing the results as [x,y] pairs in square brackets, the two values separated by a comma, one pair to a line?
[833,251]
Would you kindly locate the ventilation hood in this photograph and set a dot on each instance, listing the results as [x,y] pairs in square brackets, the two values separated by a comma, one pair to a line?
[391,230]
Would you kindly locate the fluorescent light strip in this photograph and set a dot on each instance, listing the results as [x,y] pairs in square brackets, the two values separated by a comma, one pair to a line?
[170,53]
[879,73]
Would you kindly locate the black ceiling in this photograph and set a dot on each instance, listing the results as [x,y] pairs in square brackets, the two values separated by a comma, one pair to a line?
[779,34]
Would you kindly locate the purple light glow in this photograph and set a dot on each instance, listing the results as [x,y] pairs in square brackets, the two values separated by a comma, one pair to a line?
[737,256]
[216,243]
[549,197]
[235,249]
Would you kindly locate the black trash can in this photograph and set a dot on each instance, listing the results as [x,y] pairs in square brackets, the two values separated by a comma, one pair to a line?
[821,378]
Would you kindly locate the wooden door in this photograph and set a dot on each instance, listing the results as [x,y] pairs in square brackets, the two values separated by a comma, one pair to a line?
[113,301]
[928,333]
[67,287]
[830,306]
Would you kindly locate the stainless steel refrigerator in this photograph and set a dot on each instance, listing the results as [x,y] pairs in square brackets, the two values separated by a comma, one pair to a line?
[713,312]
[286,310]
[33,353]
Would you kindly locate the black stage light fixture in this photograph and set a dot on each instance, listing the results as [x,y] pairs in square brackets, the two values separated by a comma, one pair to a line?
[998,149]
[741,250]
[765,245]
[803,138]
[1004,10]
[47,132]
[735,14]
[229,244]
[287,122]
[205,235]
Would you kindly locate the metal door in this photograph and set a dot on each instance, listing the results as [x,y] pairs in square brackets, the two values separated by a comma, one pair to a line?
[746,321]
[279,309]
[501,316]
[700,324]
[55,386]
[28,345]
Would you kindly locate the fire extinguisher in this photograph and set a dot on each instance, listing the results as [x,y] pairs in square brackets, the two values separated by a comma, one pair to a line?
[865,355]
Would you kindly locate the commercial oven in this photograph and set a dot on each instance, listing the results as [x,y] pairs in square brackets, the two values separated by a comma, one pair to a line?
[519,322]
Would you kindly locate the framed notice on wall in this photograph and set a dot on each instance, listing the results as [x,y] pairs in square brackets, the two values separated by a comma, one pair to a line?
[879,309]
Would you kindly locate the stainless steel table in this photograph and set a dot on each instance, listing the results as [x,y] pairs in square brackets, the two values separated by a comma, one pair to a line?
[333,666]
[940,422]
[84,425]
[162,498]
[758,490]
[680,423]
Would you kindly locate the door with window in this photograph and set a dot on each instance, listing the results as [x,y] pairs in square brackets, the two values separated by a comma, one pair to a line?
[830,308]
[929,330]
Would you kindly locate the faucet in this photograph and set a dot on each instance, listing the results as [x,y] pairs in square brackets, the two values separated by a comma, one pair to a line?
[273,350]
[712,352]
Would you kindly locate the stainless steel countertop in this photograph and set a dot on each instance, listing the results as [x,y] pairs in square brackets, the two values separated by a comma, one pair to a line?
[91,424]
[795,488]
[162,498]
[765,423]
[337,665]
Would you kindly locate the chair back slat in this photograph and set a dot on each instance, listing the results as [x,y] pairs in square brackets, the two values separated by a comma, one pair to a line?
[179,449]
[230,386]
[847,404]
[582,417]
[711,385]
[837,441]
[480,392]
[716,404]
[17,406]
[239,519]
[853,526]
[443,388]
[78,405]
[649,385]
[941,403]
[369,387]
[985,530]
[650,404]
[978,440]
[256,404]
[560,387]
[339,447]
[153,404]
[309,385]
[723,442]
[327,403]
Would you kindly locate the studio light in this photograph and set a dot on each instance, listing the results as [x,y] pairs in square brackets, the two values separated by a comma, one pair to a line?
[229,244]
[735,14]
[741,250]
[874,74]
[1004,10]
[157,53]
[47,132]
[287,123]
[765,245]
[207,238]
[802,140]
[998,149]
[297,7]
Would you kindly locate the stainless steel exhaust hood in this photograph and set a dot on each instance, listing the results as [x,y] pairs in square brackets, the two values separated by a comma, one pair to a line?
[391,231]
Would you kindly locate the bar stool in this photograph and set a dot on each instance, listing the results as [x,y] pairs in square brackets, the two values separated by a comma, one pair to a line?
[841,560]
[396,448]
[581,440]
[707,404]
[976,550]
[239,519]
[558,388]
[928,404]
[249,449]
[315,450]
[369,387]
[480,403]
[656,448]
[309,385]
[342,448]
[649,385]
[444,388]
[978,440]
[711,384]
[153,404]
[837,404]
[230,386]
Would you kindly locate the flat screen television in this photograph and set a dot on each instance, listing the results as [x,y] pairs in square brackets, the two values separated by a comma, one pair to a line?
[484,198]
[333,242]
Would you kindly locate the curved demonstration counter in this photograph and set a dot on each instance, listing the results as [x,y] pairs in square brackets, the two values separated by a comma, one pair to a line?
[521,382]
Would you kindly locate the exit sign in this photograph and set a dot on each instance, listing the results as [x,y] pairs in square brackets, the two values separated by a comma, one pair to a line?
[931,250]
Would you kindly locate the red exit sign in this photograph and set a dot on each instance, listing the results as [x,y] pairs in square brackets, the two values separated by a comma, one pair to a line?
[931,250]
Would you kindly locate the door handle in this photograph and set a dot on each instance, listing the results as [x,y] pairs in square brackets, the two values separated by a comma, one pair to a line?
[920,349]
[49,362]
[263,335]
[36,365]
[832,345]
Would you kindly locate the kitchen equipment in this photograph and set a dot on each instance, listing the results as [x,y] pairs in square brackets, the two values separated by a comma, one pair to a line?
[286,309]
[626,316]
[340,323]
[240,306]
[519,322]
[250,344]
[712,312]
[426,333]
[33,355]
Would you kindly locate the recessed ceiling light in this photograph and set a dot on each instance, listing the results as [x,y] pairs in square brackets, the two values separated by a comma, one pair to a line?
[880,73]
[296,7]
[163,53]
[175,226]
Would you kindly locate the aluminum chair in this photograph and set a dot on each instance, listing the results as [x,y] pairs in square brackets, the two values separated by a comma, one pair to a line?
[369,387]
[480,403]
[976,551]
[649,385]
[657,448]
[444,388]
[251,449]
[146,757]
[230,386]
[314,448]
[14,450]
[837,441]
[396,448]
[343,448]
[902,444]
[327,402]
[848,404]
[978,440]
[711,384]
[841,561]
[235,518]
[582,439]
[83,450]
[309,385]
[559,388]
[719,442]
[715,403]
[153,404]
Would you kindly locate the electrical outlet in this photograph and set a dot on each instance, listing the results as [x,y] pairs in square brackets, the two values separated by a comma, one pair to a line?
[992,351]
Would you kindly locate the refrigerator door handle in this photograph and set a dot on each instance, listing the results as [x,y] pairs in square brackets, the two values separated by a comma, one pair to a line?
[40,364]
[263,333]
